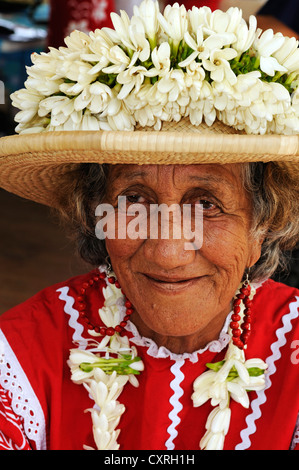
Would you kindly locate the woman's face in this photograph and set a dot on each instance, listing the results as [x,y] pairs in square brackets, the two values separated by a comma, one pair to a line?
[181,297]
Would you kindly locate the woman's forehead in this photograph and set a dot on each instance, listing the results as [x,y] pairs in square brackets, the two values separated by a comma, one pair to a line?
[213,174]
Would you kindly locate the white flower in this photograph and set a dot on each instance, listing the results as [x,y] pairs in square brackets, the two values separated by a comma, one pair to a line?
[148,12]
[266,45]
[216,429]
[131,34]
[174,22]
[225,22]
[288,54]
[199,17]
[98,53]
[77,41]
[203,47]
[229,380]
[219,66]
[100,97]
[245,35]
[161,58]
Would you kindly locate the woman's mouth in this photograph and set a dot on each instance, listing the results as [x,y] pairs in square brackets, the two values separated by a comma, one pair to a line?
[173,284]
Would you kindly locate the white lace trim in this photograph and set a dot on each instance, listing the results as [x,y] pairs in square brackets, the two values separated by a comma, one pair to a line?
[175,385]
[161,352]
[24,401]
[261,396]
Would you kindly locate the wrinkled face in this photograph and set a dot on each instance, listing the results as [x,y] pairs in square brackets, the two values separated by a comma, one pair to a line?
[178,292]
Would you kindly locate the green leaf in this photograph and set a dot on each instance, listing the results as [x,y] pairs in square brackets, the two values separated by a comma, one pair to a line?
[215,366]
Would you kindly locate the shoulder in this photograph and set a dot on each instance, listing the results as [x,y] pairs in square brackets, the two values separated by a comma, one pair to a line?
[44,303]
[276,299]
[40,325]
[275,321]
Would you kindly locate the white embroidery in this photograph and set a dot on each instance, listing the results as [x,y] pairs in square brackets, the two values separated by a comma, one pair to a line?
[261,396]
[24,401]
[175,402]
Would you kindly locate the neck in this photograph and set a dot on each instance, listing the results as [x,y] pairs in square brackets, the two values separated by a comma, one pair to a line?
[184,344]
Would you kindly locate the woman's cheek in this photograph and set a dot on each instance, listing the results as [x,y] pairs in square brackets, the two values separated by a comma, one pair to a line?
[225,241]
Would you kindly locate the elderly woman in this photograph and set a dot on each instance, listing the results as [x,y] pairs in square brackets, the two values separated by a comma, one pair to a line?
[178,339]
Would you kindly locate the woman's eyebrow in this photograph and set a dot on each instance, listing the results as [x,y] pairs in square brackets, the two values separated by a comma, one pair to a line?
[128,175]
[213,181]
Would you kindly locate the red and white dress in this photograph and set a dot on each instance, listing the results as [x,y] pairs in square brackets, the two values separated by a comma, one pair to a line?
[41,408]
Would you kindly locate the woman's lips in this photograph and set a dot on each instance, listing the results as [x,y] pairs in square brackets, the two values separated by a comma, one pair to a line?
[173,284]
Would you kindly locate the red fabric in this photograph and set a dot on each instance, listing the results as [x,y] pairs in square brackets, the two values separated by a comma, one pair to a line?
[41,337]
[67,15]
[213,4]
[12,436]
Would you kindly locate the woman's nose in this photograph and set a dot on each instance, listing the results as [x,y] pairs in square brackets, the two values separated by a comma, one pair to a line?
[169,253]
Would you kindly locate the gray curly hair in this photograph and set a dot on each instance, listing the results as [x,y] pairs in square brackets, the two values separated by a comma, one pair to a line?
[275,218]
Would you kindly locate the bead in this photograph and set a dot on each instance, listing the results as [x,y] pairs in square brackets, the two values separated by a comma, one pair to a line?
[237,302]
[123,324]
[245,291]
[128,304]
[237,333]
[126,318]
[247,303]
[91,282]
[111,280]
[103,331]
[246,326]
[96,278]
[237,309]
[236,317]
[118,328]
[110,331]
[241,296]
[238,342]
[117,284]
[234,325]
[80,298]
[129,311]
[85,285]
[82,291]
[102,275]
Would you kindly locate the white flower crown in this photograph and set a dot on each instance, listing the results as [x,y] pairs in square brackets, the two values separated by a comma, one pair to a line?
[159,67]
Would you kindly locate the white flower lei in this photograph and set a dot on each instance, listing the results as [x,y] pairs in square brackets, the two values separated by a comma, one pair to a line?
[159,67]
[105,367]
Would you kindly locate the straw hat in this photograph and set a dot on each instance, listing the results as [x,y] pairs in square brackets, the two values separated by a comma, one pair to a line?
[67,107]
[31,165]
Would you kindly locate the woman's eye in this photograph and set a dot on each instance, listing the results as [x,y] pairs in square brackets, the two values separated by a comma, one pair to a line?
[135,199]
[207,205]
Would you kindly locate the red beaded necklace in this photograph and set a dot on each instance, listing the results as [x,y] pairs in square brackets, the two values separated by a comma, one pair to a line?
[103,330]
[241,333]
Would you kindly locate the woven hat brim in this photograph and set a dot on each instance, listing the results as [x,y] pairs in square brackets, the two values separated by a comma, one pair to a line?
[31,165]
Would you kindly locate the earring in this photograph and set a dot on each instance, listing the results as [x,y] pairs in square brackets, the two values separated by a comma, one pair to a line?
[109,266]
[242,312]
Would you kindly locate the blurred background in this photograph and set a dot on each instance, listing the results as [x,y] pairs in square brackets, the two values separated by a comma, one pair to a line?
[34,251]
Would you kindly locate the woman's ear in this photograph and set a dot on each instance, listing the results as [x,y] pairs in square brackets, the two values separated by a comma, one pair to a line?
[255,252]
